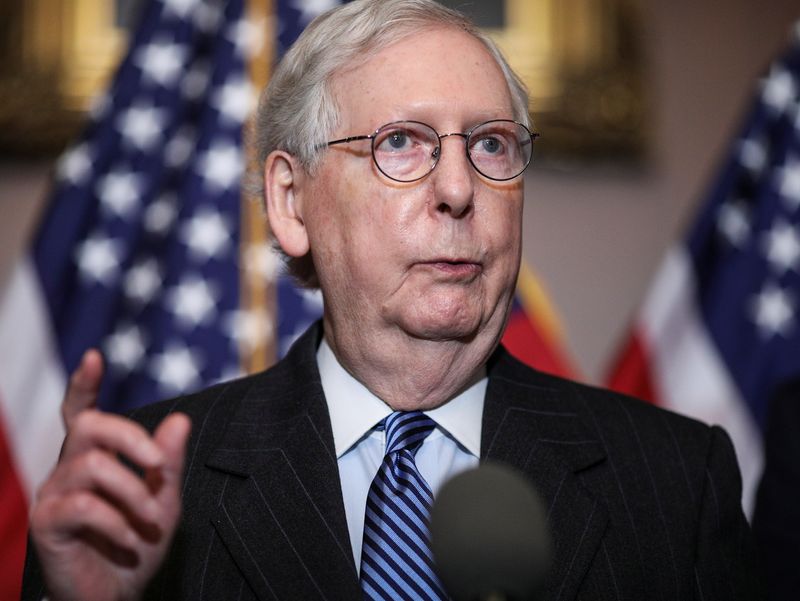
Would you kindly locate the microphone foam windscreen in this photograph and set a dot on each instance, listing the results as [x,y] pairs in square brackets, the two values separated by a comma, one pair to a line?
[489,535]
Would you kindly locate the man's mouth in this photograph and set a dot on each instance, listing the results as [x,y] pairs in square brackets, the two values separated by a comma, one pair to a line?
[455,267]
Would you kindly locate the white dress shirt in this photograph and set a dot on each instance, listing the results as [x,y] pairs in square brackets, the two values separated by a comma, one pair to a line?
[454,446]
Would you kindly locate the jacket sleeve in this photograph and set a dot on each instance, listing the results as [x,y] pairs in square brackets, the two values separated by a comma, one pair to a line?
[725,561]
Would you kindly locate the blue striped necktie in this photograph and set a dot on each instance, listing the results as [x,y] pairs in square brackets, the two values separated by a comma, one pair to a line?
[396,560]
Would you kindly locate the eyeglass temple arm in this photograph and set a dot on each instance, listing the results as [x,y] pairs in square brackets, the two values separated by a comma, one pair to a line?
[350,139]
[534,135]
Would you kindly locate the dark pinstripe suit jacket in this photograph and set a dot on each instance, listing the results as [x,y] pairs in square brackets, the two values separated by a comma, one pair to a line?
[643,504]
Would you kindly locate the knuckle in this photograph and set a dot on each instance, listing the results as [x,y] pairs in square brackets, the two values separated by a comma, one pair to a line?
[81,503]
[93,461]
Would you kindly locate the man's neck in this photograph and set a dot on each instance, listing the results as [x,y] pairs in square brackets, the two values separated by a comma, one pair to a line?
[409,373]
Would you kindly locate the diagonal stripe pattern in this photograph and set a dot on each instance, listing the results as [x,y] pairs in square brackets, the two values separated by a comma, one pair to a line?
[396,560]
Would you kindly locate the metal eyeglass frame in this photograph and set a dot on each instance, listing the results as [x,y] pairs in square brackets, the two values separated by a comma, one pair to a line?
[438,150]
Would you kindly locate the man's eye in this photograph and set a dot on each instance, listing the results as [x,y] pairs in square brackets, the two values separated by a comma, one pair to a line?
[396,140]
[489,145]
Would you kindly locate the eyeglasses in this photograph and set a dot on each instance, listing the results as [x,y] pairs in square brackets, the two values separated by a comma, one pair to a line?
[407,151]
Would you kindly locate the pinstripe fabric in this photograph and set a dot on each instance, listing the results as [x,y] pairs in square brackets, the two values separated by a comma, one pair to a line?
[396,561]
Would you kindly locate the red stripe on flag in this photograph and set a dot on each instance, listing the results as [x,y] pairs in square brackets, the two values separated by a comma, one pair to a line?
[525,341]
[13,524]
[631,374]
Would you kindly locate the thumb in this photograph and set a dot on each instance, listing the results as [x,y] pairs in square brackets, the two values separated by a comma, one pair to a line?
[83,388]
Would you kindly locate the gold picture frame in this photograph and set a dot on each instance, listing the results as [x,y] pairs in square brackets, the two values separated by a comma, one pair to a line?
[62,54]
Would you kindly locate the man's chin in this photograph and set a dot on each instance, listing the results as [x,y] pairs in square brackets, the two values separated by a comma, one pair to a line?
[439,328]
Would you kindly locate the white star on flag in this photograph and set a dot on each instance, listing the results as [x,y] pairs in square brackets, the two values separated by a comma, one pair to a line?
[261,259]
[192,301]
[773,311]
[208,16]
[180,8]
[161,61]
[235,99]
[782,246]
[98,258]
[161,214]
[119,192]
[778,89]
[195,83]
[125,348]
[142,125]
[734,223]
[142,281]
[221,165]
[248,328]
[309,9]
[248,36]
[789,182]
[207,234]
[753,155]
[177,369]
[75,165]
[180,148]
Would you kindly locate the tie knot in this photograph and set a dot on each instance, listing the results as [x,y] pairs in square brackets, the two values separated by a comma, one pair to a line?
[405,430]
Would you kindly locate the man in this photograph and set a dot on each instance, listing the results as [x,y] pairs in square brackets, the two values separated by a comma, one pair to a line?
[415,244]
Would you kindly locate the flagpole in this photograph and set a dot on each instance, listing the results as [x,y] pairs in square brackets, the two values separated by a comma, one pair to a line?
[258,289]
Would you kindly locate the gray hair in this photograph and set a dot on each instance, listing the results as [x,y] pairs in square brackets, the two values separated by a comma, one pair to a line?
[297,112]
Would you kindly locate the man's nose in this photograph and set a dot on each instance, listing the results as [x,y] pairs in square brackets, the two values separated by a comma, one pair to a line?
[454,178]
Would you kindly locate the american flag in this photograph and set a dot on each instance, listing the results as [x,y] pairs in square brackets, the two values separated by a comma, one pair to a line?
[134,254]
[720,330]
[745,246]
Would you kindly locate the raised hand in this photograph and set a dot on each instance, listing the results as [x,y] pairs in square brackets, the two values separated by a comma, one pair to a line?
[100,528]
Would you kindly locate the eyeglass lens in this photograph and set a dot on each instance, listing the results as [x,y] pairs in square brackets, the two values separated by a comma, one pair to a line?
[408,150]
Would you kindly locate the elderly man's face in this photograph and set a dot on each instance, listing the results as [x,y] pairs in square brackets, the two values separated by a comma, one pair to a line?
[436,258]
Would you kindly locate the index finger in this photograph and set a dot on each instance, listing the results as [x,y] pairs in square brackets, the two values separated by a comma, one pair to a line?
[83,388]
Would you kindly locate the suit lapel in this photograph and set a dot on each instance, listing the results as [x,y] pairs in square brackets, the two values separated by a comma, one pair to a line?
[531,426]
[282,515]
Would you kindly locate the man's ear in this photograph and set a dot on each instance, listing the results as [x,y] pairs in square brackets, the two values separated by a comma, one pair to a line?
[283,178]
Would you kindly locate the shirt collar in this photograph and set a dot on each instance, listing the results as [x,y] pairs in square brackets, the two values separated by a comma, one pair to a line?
[354,410]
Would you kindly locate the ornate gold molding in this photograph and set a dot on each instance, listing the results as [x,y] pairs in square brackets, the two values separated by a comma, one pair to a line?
[63,52]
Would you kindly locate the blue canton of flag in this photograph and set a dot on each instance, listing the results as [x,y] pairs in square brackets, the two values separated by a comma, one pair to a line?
[746,245]
[137,251]
[297,308]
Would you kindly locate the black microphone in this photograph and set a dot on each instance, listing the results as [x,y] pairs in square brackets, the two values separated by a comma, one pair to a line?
[489,536]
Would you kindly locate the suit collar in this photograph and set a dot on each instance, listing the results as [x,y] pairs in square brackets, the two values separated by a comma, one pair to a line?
[524,405]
